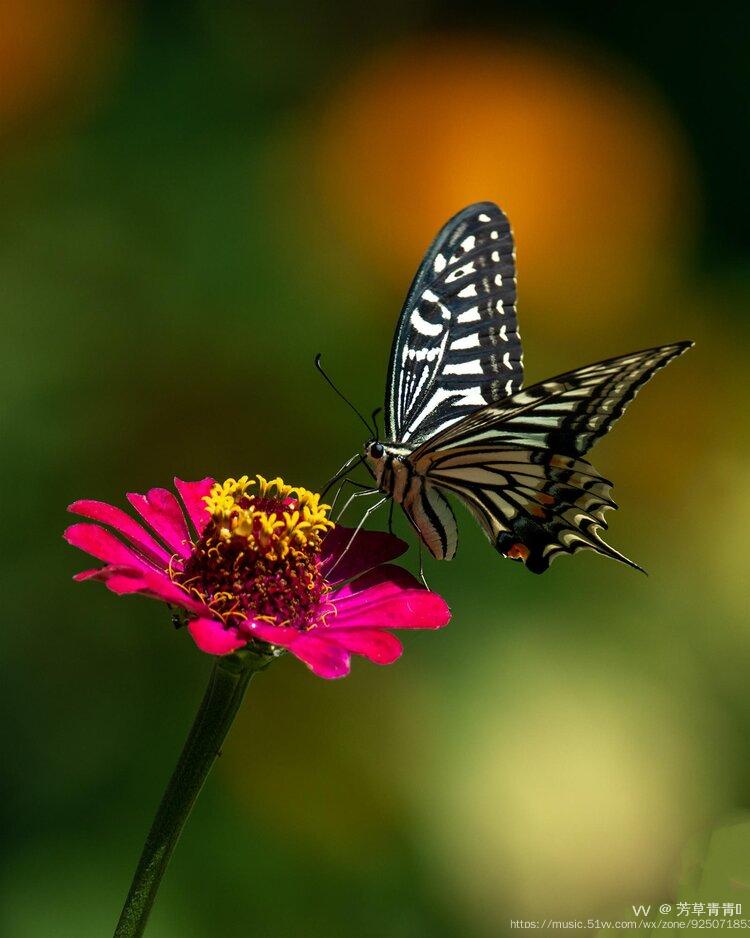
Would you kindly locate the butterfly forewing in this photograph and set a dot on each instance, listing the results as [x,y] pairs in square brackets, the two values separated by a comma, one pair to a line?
[457,346]
[566,414]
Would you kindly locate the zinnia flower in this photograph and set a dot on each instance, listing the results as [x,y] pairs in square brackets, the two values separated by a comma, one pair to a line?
[258,565]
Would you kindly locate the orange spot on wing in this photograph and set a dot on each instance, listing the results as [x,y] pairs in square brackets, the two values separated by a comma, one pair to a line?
[518,552]
[544,498]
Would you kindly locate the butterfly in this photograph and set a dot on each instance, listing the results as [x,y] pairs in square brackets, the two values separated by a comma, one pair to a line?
[458,421]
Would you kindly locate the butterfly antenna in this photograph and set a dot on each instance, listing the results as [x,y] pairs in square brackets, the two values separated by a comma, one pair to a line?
[374,419]
[343,398]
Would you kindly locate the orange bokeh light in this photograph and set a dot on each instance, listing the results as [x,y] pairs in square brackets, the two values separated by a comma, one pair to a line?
[49,48]
[587,162]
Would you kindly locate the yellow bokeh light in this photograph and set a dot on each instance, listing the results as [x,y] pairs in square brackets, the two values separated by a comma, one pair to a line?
[574,792]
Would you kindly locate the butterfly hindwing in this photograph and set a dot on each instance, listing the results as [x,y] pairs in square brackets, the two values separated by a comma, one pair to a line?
[457,345]
[532,505]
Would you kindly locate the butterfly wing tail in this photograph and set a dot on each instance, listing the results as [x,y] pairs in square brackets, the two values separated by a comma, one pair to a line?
[537,542]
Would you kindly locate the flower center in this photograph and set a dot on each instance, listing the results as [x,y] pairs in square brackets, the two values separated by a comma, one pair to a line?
[258,556]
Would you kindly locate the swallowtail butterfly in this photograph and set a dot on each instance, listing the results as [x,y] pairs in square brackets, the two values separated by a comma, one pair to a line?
[459,421]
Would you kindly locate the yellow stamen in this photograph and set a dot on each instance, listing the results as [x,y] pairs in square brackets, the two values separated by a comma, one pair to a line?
[295,523]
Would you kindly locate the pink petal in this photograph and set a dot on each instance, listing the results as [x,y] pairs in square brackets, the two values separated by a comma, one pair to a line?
[123,583]
[368,549]
[192,494]
[274,634]
[124,580]
[112,571]
[122,522]
[160,509]
[95,574]
[382,606]
[103,545]
[153,585]
[380,647]
[211,636]
[384,580]
[323,657]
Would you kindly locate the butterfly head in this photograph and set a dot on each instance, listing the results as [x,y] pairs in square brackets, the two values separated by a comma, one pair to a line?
[374,455]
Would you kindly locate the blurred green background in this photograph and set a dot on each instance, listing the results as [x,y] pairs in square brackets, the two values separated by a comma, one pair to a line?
[195,198]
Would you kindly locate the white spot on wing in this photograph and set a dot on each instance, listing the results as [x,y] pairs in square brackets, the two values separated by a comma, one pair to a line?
[473,367]
[539,421]
[423,327]
[470,315]
[471,397]
[484,217]
[461,272]
[558,406]
[527,439]
[468,341]
[470,290]
[423,354]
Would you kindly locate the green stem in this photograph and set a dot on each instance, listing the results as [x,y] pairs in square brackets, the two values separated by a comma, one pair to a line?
[226,688]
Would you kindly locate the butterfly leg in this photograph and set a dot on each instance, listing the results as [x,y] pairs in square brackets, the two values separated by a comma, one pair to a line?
[390,518]
[366,491]
[421,565]
[356,485]
[356,531]
[347,467]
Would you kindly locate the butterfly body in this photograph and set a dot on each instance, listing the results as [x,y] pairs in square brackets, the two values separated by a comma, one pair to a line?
[460,423]
[406,481]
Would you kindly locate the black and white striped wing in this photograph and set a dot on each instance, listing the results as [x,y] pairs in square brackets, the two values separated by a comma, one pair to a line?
[564,415]
[517,465]
[457,346]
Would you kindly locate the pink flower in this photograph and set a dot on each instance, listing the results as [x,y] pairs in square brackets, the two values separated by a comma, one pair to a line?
[258,565]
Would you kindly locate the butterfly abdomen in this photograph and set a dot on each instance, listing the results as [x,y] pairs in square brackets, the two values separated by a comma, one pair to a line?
[397,476]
